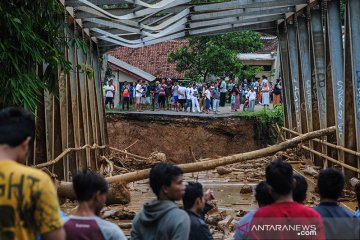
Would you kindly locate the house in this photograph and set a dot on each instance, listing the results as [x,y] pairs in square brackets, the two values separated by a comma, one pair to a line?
[153,59]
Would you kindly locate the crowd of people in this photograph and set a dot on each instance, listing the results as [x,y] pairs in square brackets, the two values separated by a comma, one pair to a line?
[193,97]
[29,205]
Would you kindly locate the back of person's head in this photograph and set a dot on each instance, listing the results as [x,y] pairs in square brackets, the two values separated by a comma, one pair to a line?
[88,183]
[279,175]
[193,191]
[16,125]
[162,174]
[357,192]
[301,186]
[330,183]
[262,194]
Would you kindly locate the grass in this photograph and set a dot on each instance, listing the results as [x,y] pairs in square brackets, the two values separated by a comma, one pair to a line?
[264,120]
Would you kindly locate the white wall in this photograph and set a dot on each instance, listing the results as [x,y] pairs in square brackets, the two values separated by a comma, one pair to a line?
[120,77]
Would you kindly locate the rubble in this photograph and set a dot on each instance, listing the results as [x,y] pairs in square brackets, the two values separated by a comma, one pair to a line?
[246,189]
[223,170]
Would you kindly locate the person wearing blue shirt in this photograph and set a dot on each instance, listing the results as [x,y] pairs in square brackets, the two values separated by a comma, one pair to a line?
[339,222]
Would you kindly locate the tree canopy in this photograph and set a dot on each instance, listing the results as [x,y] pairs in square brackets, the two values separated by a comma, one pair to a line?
[216,55]
[31,34]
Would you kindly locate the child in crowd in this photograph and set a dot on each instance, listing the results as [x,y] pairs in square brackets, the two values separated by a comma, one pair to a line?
[232,101]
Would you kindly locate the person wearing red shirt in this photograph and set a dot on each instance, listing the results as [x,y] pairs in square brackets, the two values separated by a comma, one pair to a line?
[285,218]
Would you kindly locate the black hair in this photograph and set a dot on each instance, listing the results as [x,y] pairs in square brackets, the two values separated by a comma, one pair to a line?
[162,174]
[87,183]
[279,175]
[301,186]
[357,192]
[16,124]
[262,194]
[193,191]
[330,183]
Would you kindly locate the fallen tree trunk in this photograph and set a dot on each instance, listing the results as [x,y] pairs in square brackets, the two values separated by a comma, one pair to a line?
[65,188]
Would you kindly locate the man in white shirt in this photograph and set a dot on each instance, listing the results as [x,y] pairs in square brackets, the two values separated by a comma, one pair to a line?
[138,94]
[207,99]
[109,95]
[182,96]
[189,93]
[194,99]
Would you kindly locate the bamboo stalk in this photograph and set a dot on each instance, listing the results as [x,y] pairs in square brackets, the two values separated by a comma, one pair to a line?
[332,159]
[64,153]
[326,143]
[130,154]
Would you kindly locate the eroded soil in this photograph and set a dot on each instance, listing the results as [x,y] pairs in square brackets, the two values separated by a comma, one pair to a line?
[178,136]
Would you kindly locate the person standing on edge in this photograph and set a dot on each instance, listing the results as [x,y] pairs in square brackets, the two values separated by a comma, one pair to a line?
[230,87]
[28,200]
[113,96]
[215,96]
[223,92]
[90,189]
[194,100]
[162,96]
[175,91]
[168,94]
[189,93]
[237,97]
[284,211]
[201,91]
[252,99]
[207,99]
[110,91]
[277,93]
[126,97]
[182,96]
[138,94]
[195,204]
[161,218]
[265,95]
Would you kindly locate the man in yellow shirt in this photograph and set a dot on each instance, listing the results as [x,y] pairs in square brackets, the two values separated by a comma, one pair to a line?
[28,199]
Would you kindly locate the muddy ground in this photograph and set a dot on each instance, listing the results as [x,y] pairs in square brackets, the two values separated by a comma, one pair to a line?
[208,137]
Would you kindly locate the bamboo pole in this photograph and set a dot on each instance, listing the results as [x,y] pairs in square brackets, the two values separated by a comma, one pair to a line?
[332,159]
[65,188]
[326,143]
[68,150]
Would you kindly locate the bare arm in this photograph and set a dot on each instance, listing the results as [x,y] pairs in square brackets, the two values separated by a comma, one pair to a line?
[58,234]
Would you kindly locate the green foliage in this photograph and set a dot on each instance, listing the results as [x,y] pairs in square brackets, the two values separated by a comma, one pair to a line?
[32,35]
[264,122]
[29,36]
[216,55]
[108,74]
